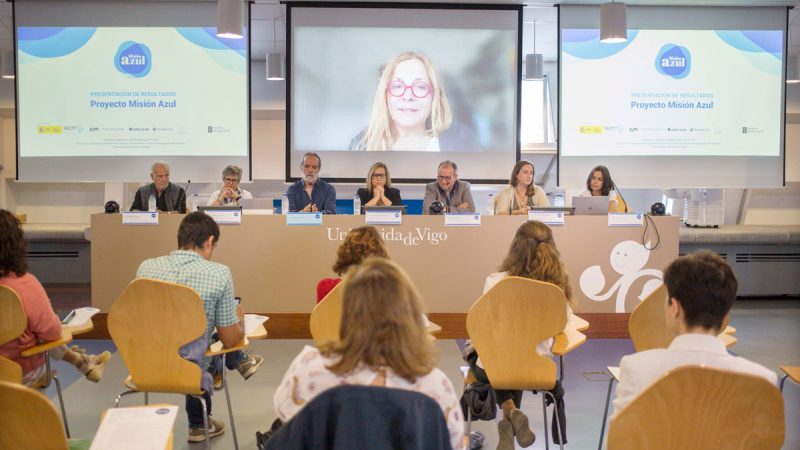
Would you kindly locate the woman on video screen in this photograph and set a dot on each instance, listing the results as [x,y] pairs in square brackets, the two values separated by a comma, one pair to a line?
[411,112]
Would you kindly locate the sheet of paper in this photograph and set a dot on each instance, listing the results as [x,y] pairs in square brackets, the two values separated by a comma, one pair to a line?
[82,315]
[253,321]
[135,428]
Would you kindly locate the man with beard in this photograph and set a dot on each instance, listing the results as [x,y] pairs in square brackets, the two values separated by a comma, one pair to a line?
[311,194]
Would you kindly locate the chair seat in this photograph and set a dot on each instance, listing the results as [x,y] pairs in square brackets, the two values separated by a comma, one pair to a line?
[792,372]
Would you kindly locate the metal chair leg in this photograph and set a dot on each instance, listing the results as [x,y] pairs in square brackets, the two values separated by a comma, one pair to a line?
[119,397]
[558,420]
[783,381]
[230,408]
[544,416]
[605,414]
[50,377]
[146,398]
[561,368]
[205,421]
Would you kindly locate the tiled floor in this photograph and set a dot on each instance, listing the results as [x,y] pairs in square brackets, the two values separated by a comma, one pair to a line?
[768,333]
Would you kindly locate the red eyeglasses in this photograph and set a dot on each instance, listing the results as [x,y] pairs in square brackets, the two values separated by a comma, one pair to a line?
[419,88]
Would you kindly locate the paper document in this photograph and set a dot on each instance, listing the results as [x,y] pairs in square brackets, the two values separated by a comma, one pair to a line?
[82,315]
[135,428]
[253,321]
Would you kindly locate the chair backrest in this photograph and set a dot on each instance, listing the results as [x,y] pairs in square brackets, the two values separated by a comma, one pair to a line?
[507,323]
[647,325]
[149,322]
[702,408]
[12,325]
[326,317]
[395,418]
[28,419]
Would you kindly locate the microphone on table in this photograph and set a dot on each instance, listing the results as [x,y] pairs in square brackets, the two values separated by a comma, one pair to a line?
[185,195]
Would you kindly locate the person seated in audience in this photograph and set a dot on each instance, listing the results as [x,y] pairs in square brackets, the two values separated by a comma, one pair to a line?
[379,190]
[190,265]
[359,244]
[521,194]
[701,289]
[384,343]
[169,197]
[455,194]
[311,194]
[533,254]
[43,325]
[231,193]
[599,183]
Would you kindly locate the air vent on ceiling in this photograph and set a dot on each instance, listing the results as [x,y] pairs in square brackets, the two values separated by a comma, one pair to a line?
[767,257]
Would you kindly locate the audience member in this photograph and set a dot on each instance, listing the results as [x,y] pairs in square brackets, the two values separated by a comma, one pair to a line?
[231,193]
[359,244]
[454,194]
[168,196]
[384,343]
[311,194]
[379,190]
[701,289]
[43,325]
[198,235]
[521,194]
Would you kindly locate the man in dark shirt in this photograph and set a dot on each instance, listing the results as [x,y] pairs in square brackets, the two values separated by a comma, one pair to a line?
[311,194]
[169,197]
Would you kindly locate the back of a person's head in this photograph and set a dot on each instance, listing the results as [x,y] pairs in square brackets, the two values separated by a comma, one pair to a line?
[13,248]
[359,244]
[195,229]
[533,254]
[382,323]
[704,285]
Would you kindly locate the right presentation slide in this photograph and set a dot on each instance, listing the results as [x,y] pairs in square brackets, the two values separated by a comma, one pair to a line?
[672,93]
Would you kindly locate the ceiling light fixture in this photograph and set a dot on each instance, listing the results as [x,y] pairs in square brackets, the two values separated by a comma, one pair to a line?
[534,62]
[613,23]
[275,65]
[230,18]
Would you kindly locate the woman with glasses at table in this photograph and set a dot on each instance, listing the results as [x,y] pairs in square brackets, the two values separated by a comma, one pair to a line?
[521,194]
[231,193]
[379,190]
[410,111]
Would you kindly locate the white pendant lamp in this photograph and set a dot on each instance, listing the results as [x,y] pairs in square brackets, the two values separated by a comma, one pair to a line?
[230,18]
[275,67]
[613,23]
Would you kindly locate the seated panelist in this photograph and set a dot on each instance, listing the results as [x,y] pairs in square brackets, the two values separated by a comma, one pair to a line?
[168,196]
[379,190]
[521,194]
[311,194]
[231,193]
[599,183]
[454,194]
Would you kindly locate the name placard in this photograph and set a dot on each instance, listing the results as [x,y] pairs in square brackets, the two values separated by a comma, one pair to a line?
[140,218]
[383,217]
[625,219]
[466,219]
[304,218]
[548,217]
[225,216]
[258,212]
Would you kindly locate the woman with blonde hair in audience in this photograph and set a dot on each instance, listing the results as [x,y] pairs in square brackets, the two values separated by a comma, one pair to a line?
[384,343]
[360,243]
[533,254]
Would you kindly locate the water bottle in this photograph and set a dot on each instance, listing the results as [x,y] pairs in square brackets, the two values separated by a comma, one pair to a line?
[195,202]
[490,205]
[356,205]
[284,204]
[151,204]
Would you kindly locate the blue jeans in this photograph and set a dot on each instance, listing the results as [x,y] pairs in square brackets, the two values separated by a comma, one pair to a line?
[194,409]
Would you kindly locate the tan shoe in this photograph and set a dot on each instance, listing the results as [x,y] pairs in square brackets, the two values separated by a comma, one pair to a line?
[95,365]
[522,430]
[505,433]
[215,428]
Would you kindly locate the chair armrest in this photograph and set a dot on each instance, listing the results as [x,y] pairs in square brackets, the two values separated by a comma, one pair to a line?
[792,372]
[579,323]
[614,371]
[568,340]
[259,333]
[66,337]
[728,340]
[729,330]
[433,328]
[217,349]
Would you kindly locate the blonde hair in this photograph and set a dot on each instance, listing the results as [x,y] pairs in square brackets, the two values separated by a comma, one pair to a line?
[533,254]
[378,165]
[381,132]
[382,323]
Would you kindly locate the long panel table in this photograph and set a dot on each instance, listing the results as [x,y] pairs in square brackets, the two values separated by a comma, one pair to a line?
[276,267]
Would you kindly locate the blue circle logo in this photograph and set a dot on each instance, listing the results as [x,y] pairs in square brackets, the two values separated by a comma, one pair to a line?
[674,61]
[133,59]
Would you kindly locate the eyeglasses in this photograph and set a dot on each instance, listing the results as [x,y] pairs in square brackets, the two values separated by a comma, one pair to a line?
[230,180]
[448,178]
[378,175]
[419,88]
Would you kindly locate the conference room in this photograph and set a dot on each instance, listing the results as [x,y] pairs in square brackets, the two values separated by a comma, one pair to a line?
[624,136]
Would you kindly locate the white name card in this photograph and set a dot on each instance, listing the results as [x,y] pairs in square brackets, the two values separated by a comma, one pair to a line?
[258,212]
[304,218]
[548,217]
[225,216]
[383,217]
[625,219]
[462,220]
[140,218]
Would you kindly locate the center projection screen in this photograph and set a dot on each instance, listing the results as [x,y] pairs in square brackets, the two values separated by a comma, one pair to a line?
[405,84]
[694,98]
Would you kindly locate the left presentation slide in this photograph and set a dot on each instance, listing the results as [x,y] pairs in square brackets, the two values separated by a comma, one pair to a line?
[124,91]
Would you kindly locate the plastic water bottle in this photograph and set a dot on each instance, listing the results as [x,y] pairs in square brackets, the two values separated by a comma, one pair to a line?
[151,203]
[195,202]
[490,205]
[356,205]
[284,204]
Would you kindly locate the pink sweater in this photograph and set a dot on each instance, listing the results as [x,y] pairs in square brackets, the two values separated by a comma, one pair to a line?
[43,324]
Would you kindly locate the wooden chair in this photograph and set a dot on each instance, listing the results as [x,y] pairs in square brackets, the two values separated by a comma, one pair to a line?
[507,323]
[648,330]
[29,420]
[702,408]
[790,372]
[327,316]
[12,324]
[149,323]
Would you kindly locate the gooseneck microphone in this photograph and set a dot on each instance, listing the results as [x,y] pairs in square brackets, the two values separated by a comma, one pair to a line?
[185,197]
[620,196]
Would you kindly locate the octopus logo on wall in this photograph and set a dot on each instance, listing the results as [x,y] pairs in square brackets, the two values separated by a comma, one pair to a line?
[628,258]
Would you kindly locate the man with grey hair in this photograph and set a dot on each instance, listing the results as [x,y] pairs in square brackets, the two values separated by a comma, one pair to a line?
[310,194]
[168,196]
[231,193]
[454,194]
